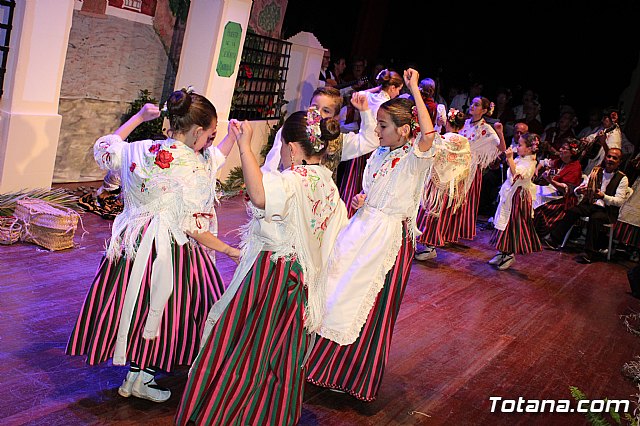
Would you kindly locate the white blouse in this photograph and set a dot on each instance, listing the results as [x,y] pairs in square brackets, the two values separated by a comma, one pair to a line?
[484,142]
[367,247]
[302,217]
[525,169]
[170,189]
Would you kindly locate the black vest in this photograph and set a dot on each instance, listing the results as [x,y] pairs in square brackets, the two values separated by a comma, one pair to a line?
[612,187]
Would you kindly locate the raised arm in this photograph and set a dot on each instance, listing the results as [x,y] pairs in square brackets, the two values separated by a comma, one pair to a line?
[250,167]
[365,141]
[148,112]
[502,147]
[229,140]
[424,120]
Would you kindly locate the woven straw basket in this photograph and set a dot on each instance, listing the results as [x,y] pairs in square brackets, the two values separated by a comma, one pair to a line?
[48,225]
[10,229]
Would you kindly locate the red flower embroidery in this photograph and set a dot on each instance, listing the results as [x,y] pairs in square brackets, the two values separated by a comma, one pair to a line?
[484,132]
[173,146]
[301,171]
[394,162]
[132,167]
[163,159]
[154,148]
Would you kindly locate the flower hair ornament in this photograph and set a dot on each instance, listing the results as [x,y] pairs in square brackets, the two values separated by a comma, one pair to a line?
[381,74]
[313,128]
[535,144]
[414,124]
[452,114]
[574,147]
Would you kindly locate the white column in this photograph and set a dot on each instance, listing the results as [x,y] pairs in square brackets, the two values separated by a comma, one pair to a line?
[29,119]
[304,70]
[201,49]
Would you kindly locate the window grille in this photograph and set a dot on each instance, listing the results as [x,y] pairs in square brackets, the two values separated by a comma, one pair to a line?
[133,4]
[261,79]
[6,21]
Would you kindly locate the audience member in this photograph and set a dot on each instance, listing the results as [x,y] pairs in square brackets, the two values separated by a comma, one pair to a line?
[602,195]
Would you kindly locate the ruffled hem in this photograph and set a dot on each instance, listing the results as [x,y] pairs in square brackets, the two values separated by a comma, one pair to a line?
[377,283]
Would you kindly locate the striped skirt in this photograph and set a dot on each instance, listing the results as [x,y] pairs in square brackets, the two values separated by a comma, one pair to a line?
[351,182]
[627,234]
[548,214]
[197,285]
[250,369]
[438,230]
[358,368]
[469,210]
[519,236]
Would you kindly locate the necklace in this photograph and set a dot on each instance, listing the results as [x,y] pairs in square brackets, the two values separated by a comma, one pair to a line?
[476,121]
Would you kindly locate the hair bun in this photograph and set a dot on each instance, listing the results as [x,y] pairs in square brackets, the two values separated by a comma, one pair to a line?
[330,129]
[178,103]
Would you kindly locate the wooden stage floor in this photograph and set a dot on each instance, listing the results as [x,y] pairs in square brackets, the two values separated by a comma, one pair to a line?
[465,332]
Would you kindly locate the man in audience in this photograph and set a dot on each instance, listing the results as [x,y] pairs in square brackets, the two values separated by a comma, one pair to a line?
[602,195]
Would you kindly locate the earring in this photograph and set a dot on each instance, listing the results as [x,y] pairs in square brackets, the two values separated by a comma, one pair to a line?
[291,151]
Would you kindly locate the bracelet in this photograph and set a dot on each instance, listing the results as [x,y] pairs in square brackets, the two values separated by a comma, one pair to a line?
[428,133]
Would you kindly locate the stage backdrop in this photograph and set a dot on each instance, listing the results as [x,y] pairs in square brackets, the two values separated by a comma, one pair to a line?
[267,16]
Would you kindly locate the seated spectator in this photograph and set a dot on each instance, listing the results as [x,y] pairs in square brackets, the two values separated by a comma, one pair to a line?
[597,143]
[602,195]
[528,97]
[531,112]
[326,77]
[593,125]
[462,101]
[561,177]
[503,111]
[556,135]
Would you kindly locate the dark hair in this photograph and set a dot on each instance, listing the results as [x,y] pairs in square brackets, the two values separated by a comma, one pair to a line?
[294,129]
[457,120]
[428,87]
[575,146]
[185,110]
[400,110]
[388,78]
[332,93]
[531,140]
[486,104]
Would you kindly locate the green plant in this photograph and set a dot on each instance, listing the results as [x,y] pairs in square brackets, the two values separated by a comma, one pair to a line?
[149,129]
[180,9]
[233,184]
[597,419]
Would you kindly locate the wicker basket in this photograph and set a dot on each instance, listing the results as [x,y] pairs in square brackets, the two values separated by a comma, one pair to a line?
[10,229]
[48,225]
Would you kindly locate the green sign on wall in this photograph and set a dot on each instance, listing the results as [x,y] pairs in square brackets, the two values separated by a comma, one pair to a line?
[229,49]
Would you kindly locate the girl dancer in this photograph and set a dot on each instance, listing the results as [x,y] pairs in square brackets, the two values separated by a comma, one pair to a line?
[514,228]
[389,87]
[485,142]
[150,297]
[250,369]
[444,192]
[369,266]
[327,101]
